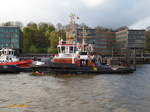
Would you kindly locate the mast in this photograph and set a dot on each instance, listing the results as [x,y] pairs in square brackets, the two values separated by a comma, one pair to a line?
[84,37]
[73,28]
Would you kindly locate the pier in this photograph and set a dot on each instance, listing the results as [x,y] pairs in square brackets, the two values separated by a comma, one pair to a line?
[139,60]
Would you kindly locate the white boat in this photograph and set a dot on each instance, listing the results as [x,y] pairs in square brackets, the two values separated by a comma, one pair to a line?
[10,63]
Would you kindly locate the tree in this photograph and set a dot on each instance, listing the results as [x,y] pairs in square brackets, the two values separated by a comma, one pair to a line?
[54,39]
[32,26]
[30,38]
[9,23]
[102,29]
[43,27]
[27,42]
[147,36]
[37,37]
[33,49]
[83,25]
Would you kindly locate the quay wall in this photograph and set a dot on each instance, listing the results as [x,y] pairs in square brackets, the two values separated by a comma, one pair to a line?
[42,56]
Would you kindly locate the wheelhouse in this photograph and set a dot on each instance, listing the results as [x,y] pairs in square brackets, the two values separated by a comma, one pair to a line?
[67,49]
[7,51]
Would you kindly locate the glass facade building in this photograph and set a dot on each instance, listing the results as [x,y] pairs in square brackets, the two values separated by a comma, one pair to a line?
[104,41]
[10,37]
[130,39]
[110,43]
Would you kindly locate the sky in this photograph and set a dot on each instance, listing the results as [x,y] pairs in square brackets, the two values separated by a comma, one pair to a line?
[106,13]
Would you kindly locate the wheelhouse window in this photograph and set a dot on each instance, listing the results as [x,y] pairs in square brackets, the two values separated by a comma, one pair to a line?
[75,49]
[9,52]
[59,50]
[71,49]
[83,53]
[63,49]
[67,49]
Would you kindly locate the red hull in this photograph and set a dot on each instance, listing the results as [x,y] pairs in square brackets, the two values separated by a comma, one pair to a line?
[63,60]
[69,60]
[22,64]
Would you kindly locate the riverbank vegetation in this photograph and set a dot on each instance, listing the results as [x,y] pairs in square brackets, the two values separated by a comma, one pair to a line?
[42,37]
[147,41]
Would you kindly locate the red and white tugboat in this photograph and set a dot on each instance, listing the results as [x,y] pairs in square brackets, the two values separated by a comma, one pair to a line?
[77,58]
[73,58]
[80,58]
[75,53]
[10,63]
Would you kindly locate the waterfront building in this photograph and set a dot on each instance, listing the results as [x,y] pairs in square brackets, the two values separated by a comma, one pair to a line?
[104,40]
[11,37]
[130,39]
[105,43]
[108,42]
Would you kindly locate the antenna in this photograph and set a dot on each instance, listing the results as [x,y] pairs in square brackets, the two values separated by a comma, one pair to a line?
[72,18]
[73,27]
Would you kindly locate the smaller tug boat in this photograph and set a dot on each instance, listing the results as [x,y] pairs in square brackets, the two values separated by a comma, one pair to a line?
[9,63]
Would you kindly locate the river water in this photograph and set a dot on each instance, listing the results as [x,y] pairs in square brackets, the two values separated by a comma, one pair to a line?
[81,93]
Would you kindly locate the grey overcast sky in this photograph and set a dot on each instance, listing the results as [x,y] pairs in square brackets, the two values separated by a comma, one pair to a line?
[107,13]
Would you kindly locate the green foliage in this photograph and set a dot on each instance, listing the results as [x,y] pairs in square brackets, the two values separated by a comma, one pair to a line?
[42,50]
[33,49]
[52,50]
[44,27]
[102,29]
[41,38]
[26,39]
[147,47]
[32,26]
